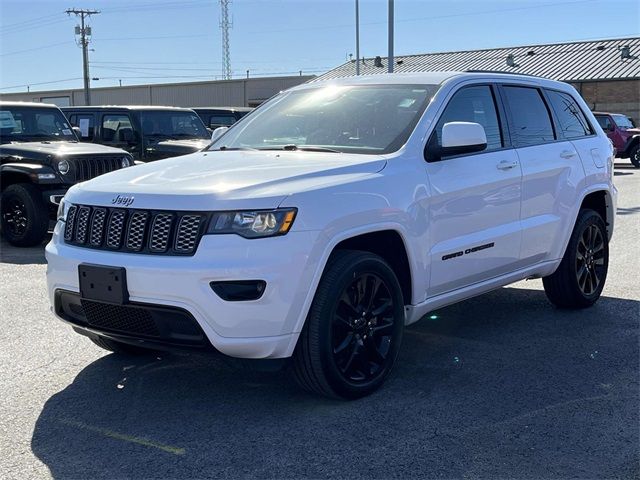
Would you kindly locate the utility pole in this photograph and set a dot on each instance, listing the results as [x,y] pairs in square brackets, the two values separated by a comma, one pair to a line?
[225,25]
[390,59]
[357,37]
[84,32]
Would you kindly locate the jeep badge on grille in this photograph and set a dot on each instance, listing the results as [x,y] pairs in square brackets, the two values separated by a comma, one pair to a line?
[122,200]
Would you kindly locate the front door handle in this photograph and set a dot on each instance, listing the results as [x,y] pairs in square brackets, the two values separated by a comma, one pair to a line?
[506,165]
[567,154]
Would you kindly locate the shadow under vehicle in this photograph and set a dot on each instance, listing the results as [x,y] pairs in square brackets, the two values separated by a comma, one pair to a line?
[40,158]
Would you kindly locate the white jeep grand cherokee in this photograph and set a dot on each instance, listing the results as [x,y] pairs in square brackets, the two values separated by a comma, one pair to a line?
[338,212]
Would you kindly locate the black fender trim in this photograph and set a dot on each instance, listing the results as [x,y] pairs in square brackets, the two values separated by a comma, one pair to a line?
[33,172]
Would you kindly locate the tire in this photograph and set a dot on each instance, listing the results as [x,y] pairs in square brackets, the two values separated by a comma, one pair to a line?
[119,347]
[342,353]
[634,155]
[580,278]
[25,216]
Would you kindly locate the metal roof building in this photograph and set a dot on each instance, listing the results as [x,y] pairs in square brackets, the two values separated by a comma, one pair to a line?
[605,72]
[578,61]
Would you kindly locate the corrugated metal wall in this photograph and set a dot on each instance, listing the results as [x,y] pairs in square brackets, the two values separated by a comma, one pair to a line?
[232,93]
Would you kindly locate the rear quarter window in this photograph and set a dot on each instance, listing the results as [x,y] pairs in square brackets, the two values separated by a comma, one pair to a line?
[573,123]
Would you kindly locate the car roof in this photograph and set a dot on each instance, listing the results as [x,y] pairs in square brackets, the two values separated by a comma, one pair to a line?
[609,113]
[127,107]
[428,78]
[232,109]
[27,104]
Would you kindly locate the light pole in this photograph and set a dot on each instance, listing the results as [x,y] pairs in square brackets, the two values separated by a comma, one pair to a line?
[357,37]
[390,56]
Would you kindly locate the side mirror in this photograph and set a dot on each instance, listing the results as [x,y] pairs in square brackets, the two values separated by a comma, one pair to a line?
[218,132]
[77,131]
[458,138]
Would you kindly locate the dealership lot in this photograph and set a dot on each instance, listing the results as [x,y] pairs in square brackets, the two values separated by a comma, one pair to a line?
[502,385]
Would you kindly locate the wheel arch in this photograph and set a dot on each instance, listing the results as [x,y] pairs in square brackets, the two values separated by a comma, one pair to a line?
[388,244]
[601,201]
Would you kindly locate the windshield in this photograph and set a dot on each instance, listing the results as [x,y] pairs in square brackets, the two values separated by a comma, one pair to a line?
[369,119]
[623,121]
[173,125]
[28,124]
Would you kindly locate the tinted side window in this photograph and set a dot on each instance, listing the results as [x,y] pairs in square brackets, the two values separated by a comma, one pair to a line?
[604,122]
[116,128]
[530,117]
[473,104]
[85,123]
[572,121]
[221,120]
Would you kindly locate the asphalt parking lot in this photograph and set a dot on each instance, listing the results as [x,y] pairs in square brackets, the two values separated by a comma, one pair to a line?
[500,386]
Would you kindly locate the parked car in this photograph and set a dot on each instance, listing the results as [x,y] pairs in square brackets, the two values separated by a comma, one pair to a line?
[148,133]
[338,213]
[214,117]
[623,133]
[40,158]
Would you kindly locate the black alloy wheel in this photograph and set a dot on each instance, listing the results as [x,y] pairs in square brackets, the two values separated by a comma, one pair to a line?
[14,216]
[24,216]
[579,279]
[353,331]
[590,268]
[362,328]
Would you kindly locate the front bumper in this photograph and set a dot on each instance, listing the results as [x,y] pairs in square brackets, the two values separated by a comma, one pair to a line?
[264,328]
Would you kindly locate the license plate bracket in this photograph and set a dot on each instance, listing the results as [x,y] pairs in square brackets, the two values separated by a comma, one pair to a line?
[103,283]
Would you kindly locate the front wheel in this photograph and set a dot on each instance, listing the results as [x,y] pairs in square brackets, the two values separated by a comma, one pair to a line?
[579,280]
[634,156]
[25,216]
[353,331]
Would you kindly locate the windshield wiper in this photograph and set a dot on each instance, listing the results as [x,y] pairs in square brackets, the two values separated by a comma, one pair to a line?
[304,148]
[224,148]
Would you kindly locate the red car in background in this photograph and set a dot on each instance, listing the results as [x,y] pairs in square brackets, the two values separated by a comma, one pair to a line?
[623,133]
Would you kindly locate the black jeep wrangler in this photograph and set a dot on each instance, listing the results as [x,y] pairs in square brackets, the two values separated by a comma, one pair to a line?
[147,132]
[40,158]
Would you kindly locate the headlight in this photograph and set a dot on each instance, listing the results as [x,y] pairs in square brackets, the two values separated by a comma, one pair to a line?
[63,167]
[253,224]
[63,208]
[125,162]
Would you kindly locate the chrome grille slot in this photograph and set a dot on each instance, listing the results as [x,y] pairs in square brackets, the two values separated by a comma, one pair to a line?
[97,226]
[82,223]
[116,226]
[70,223]
[160,230]
[187,233]
[134,230]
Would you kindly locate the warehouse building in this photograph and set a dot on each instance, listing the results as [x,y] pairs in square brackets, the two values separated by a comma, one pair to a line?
[605,72]
[246,92]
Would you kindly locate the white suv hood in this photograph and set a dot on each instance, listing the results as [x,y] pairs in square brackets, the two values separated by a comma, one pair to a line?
[224,180]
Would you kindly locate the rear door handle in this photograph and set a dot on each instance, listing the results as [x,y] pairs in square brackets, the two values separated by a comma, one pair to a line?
[568,154]
[506,165]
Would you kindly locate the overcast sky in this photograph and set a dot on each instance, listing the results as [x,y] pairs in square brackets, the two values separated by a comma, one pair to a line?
[143,41]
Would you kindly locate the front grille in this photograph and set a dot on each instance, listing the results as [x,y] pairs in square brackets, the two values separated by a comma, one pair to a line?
[120,318]
[134,231]
[85,167]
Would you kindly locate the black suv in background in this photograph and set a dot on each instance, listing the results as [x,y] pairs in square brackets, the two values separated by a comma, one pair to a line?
[40,158]
[148,133]
[214,117]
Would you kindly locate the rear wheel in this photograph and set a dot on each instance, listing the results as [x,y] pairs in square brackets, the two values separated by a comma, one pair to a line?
[634,156]
[25,216]
[580,278]
[119,347]
[353,332]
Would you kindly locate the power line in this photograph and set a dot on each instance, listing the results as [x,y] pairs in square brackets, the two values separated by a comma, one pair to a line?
[36,48]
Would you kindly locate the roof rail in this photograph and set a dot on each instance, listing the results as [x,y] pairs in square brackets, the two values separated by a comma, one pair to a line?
[502,72]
